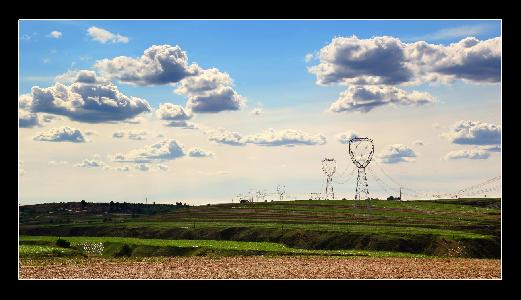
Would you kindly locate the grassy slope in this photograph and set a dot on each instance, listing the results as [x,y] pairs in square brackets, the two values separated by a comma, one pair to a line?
[432,227]
[39,246]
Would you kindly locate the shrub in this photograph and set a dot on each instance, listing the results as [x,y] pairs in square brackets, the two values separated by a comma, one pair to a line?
[63,243]
[124,251]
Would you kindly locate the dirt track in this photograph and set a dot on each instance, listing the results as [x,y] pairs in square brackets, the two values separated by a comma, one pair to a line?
[260,267]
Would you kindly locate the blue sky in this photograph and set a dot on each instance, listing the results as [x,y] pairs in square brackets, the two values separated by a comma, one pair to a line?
[267,62]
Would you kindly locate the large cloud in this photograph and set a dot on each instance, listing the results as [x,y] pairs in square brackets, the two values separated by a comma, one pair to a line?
[387,60]
[88,99]
[210,92]
[470,59]
[468,154]
[159,64]
[61,134]
[396,153]
[287,137]
[366,98]
[474,133]
[164,150]
[380,60]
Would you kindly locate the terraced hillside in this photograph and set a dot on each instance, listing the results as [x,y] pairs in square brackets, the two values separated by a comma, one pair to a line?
[462,228]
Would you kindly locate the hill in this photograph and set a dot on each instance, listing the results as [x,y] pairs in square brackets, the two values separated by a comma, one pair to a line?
[455,227]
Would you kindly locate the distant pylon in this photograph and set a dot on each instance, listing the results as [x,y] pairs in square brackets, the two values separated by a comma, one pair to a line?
[329,168]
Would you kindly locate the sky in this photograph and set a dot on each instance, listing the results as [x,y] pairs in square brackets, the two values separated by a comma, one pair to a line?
[201,111]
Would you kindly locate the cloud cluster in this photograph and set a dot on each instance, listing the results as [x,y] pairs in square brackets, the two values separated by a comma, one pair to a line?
[345,137]
[468,154]
[61,134]
[210,92]
[131,134]
[396,153]
[88,99]
[91,163]
[164,150]
[270,137]
[103,36]
[159,64]
[467,132]
[389,61]
[286,137]
[223,136]
[373,67]
[365,98]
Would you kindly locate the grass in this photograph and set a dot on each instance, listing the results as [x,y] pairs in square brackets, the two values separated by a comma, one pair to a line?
[36,246]
[32,251]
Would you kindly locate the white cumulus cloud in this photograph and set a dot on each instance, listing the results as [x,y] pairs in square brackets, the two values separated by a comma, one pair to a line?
[467,132]
[159,64]
[366,98]
[468,154]
[396,153]
[61,134]
[164,150]
[90,163]
[198,152]
[88,99]
[55,34]
[103,36]
[286,137]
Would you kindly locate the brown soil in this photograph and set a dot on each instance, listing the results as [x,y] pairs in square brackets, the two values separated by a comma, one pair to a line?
[260,267]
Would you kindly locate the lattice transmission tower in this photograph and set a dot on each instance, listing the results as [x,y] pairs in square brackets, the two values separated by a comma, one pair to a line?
[281,190]
[329,168]
[361,151]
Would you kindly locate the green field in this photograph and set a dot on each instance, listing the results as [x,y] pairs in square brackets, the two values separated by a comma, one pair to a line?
[456,227]
[44,246]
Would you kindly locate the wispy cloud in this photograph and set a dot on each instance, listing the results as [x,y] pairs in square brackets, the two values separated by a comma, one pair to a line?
[454,32]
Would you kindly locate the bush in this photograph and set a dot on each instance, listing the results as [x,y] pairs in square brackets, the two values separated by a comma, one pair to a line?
[124,251]
[63,243]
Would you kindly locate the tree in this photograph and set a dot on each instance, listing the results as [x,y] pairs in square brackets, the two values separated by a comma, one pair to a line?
[83,203]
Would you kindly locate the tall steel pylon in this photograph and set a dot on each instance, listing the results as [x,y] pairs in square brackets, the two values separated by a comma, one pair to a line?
[329,168]
[361,151]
